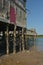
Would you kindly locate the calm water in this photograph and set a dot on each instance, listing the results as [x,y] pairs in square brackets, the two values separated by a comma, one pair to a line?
[39,44]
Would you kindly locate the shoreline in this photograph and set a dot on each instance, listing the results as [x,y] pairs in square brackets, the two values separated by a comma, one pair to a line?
[31,57]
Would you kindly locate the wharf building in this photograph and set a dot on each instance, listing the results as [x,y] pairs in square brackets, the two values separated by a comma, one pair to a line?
[12,26]
[14,36]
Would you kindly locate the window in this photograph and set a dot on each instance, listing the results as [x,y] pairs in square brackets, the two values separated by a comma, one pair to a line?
[3,3]
[23,2]
[0,4]
[20,13]
[16,10]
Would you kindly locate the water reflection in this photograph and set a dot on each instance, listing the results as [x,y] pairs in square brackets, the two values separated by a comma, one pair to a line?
[40,44]
[30,42]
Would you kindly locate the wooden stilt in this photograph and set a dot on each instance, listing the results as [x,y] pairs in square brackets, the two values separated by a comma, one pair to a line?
[7,46]
[20,42]
[23,39]
[14,40]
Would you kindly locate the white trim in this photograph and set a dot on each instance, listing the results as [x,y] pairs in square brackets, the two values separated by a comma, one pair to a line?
[4,20]
[20,24]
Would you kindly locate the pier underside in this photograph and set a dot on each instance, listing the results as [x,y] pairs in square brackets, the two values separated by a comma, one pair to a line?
[2,38]
[13,39]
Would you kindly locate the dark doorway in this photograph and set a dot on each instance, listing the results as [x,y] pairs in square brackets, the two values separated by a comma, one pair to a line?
[17,43]
[11,38]
[18,39]
[2,39]
[2,43]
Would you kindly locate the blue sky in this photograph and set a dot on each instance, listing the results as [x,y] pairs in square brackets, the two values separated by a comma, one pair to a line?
[35,18]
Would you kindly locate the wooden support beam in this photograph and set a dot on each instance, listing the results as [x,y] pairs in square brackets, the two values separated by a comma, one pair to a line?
[7,34]
[23,39]
[14,49]
[20,41]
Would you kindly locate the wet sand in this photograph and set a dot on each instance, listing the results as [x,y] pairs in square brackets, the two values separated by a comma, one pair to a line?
[31,57]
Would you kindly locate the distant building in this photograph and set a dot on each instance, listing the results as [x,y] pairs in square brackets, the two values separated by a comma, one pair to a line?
[31,36]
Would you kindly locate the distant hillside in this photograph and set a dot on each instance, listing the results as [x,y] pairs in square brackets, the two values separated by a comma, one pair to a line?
[39,35]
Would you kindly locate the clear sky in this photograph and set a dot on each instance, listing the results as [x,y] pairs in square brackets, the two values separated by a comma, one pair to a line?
[35,18]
